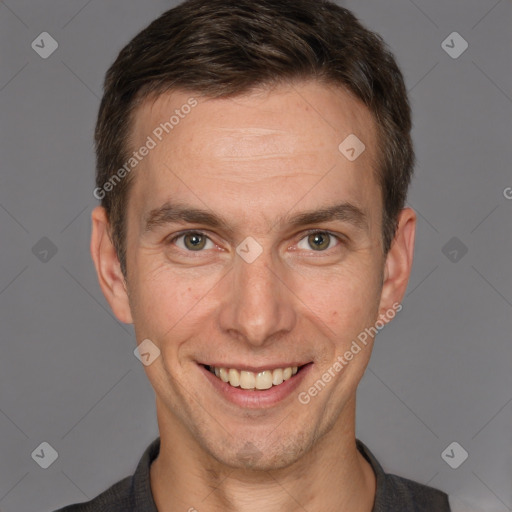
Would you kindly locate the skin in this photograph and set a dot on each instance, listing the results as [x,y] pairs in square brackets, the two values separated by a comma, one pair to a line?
[256,159]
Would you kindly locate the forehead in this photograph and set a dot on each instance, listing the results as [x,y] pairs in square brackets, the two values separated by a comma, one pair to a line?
[263,149]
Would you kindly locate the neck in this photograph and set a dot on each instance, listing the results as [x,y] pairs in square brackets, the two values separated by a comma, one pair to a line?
[332,476]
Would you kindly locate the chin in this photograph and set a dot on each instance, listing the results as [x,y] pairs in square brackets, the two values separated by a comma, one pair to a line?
[259,454]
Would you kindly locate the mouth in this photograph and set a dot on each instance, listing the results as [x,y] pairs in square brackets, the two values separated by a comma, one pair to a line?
[254,380]
[256,388]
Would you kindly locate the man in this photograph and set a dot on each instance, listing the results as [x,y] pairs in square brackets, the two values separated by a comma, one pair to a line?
[253,160]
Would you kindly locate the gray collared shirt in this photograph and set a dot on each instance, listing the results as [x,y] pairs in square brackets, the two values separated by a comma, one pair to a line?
[393,493]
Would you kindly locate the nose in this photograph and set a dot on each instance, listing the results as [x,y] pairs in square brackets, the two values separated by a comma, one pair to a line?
[258,305]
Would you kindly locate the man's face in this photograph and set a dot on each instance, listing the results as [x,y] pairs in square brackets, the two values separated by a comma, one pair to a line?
[206,296]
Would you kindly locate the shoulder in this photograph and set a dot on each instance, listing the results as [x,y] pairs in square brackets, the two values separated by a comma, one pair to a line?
[411,496]
[129,494]
[114,499]
[398,494]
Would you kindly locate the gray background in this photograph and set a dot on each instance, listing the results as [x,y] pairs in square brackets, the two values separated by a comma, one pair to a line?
[441,372]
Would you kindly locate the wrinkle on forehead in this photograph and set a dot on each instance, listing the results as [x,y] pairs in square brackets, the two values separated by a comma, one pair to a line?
[291,133]
[253,143]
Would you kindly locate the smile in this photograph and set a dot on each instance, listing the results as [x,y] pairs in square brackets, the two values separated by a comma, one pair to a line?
[261,380]
[258,387]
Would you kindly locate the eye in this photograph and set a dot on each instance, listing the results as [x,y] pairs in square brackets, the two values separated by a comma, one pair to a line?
[192,241]
[196,241]
[319,241]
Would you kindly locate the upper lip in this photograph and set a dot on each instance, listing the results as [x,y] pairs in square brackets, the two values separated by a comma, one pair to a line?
[254,369]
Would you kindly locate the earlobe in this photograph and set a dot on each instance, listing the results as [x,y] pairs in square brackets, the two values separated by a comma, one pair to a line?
[108,268]
[399,260]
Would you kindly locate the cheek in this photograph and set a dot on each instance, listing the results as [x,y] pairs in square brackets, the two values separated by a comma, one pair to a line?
[164,299]
[347,305]
[175,305]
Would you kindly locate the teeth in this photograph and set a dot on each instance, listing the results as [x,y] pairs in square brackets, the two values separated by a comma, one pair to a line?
[250,380]
[223,374]
[247,380]
[277,377]
[264,380]
[234,377]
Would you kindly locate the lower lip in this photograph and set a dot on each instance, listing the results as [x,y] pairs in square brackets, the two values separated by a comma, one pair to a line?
[255,398]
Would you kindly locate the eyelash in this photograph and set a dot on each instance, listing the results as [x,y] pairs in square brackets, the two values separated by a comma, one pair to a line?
[339,238]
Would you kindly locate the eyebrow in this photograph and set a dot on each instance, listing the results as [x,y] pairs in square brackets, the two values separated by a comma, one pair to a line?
[181,214]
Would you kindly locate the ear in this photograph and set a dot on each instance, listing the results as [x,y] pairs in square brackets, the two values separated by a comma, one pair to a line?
[108,268]
[397,267]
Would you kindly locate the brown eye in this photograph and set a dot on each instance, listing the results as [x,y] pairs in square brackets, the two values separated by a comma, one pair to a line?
[319,241]
[194,241]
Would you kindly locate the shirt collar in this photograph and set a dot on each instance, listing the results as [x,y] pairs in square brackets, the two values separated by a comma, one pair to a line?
[141,483]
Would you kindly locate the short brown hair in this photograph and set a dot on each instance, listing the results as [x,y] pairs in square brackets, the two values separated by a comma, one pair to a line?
[223,48]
